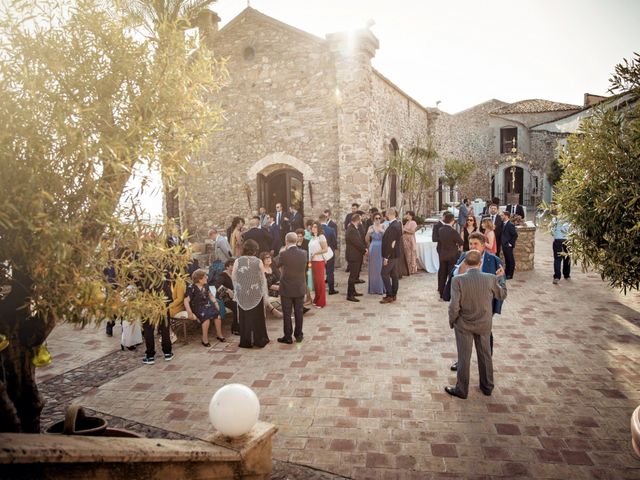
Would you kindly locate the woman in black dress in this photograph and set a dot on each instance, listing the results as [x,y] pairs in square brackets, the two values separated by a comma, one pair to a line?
[201,305]
[273,285]
[250,287]
[224,287]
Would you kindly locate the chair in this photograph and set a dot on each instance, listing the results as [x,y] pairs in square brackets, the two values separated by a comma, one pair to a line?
[181,319]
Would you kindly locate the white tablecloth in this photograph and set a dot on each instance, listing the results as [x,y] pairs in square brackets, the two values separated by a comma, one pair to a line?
[427,256]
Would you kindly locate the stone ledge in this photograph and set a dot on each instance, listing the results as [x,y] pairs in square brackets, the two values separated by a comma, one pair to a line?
[70,457]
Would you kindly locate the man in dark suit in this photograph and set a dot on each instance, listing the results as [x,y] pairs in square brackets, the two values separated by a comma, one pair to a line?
[470,314]
[332,224]
[332,242]
[259,235]
[274,232]
[509,237]
[347,219]
[515,209]
[436,229]
[292,263]
[448,248]
[391,240]
[496,219]
[355,251]
[296,221]
[282,221]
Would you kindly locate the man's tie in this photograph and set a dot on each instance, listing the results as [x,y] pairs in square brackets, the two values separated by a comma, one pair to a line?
[278,219]
[513,209]
[493,219]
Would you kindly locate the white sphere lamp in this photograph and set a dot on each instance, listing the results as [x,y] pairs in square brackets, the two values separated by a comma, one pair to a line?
[234,410]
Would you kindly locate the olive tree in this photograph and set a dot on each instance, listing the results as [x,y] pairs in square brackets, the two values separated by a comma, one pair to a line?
[599,190]
[456,172]
[84,102]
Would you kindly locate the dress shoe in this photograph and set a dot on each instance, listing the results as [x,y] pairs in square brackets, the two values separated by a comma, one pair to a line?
[352,299]
[486,393]
[357,294]
[454,367]
[453,391]
[285,340]
[359,281]
[334,292]
[386,300]
[394,298]
[305,310]
[556,281]
[299,339]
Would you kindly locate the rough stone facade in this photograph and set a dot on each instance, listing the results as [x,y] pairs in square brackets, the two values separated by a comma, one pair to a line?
[474,135]
[314,112]
[298,102]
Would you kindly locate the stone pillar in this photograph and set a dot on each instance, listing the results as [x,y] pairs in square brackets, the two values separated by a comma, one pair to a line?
[524,252]
[207,23]
[352,53]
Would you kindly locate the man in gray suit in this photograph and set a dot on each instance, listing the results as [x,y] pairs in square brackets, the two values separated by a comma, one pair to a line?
[293,286]
[470,314]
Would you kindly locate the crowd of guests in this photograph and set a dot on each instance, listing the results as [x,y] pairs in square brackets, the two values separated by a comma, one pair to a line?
[281,265]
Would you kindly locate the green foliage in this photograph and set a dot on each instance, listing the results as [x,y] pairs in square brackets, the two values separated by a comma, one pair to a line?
[84,103]
[554,172]
[457,172]
[599,191]
[414,170]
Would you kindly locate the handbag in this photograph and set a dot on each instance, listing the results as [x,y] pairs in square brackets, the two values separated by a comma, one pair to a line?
[328,255]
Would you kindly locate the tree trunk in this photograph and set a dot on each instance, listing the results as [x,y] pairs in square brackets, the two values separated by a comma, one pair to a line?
[20,400]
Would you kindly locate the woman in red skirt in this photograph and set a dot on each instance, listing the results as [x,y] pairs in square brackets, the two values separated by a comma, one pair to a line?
[318,248]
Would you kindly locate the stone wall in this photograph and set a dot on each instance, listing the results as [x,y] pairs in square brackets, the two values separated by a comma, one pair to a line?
[524,252]
[280,107]
[470,135]
[394,116]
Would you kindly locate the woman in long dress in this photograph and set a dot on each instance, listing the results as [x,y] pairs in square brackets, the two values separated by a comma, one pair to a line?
[409,241]
[317,248]
[471,226]
[236,236]
[374,242]
[250,286]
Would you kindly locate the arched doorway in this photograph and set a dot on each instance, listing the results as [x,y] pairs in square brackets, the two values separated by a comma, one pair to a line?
[513,182]
[283,186]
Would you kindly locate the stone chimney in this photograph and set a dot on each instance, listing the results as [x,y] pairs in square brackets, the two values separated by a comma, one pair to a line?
[591,99]
[207,23]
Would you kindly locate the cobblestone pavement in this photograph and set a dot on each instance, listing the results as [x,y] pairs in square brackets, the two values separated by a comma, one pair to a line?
[363,395]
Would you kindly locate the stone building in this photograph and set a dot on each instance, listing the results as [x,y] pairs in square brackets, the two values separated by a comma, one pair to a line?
[487,134]
[308,122]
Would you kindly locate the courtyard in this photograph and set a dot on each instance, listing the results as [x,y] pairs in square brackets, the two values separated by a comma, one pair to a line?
[362,396]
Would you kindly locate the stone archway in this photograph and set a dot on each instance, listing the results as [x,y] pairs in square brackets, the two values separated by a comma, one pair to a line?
[281,178]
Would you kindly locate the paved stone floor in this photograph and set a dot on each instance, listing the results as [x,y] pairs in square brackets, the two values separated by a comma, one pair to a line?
[363,397]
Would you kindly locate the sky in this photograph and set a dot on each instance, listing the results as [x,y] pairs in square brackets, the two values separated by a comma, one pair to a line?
[465,52]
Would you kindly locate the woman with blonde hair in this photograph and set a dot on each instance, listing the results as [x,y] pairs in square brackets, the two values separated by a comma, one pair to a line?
[490,243]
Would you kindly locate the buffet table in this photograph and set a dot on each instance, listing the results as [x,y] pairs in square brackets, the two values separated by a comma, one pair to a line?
[426,254]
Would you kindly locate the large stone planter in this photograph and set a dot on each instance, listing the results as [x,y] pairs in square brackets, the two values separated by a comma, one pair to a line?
[525,248]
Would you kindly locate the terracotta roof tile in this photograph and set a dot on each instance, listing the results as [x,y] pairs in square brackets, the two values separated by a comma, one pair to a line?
[535,105]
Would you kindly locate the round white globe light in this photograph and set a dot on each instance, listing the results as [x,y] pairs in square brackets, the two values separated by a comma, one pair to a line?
[234,410]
